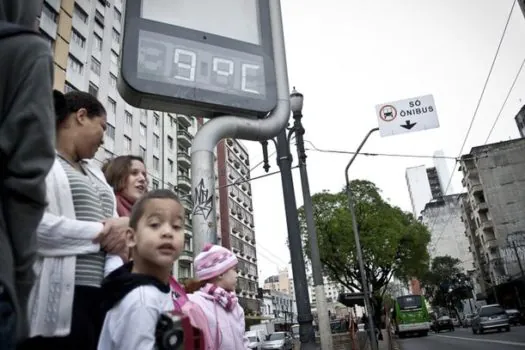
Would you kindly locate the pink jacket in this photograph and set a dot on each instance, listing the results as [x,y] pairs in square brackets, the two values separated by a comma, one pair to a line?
[226,329]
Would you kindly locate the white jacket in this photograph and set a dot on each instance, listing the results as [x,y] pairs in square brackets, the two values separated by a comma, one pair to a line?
[60,239]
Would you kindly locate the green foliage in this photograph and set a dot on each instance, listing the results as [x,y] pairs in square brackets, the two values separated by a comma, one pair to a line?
[393,242]
[445,284]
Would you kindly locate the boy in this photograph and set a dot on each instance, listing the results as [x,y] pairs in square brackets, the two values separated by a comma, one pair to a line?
[137,293]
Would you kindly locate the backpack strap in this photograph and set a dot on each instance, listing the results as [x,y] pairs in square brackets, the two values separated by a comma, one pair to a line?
[8,29]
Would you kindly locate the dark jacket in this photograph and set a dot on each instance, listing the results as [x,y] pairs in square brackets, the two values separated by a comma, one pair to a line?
[27,131]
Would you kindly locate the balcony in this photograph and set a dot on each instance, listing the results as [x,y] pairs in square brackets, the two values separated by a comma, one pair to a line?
[184,159]
[186,203]
[487,225]
[184,137]
[476,188]
[186,256]
[184,120]
[480,206]
[184,182]
[491,244]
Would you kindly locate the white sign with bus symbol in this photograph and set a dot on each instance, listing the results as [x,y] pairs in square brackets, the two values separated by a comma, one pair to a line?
[414,114]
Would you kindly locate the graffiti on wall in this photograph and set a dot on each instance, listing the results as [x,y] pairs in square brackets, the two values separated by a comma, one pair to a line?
[203,200]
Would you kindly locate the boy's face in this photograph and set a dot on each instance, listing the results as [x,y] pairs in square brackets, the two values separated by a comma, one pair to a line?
[159,238]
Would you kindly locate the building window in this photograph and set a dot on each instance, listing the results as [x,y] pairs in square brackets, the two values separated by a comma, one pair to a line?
[97,43]
[81,14]
[156,119]
[171,166]
[156,163]
[115,35]
[142,130]
[112,105]
[142,153]
[114,57]
[144,116]
[99,18]
[170,142]
[110,131]
[155,184]
[93,89]
[117,15]
[127,144]
[156,141]
[173,121]
[112,80]
[77,38]
[68,88]
[95,65]
[108,155]
[129,118]
[75,65]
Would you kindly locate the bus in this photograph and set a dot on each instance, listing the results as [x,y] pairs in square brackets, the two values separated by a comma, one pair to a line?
[410,315]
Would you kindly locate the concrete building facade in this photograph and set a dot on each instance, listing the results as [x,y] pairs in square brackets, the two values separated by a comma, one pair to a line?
[443,218]
[494,176]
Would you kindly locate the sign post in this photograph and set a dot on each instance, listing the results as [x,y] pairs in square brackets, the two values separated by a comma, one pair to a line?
[413,114]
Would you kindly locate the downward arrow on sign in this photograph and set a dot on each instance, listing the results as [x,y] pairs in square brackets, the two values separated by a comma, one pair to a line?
[408,125]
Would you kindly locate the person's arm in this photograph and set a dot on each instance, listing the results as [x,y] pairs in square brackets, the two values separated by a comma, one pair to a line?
[242,326]
[27,145]
[134,328]
[61,236]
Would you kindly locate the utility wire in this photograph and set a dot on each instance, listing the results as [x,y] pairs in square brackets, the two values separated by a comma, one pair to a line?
[474,118]
[505,102]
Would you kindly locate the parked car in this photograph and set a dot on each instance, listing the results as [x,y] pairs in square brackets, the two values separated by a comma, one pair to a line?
[443,323]
[278,340]
[255,339]
[515,317]
[490,317]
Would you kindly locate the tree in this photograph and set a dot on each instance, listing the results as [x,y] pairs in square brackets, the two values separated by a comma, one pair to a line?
[445,284]
[393,241]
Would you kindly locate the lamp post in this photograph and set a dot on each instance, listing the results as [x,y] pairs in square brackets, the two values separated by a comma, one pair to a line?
[284,160]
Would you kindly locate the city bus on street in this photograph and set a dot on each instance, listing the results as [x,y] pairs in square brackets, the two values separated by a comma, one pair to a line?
[410,315]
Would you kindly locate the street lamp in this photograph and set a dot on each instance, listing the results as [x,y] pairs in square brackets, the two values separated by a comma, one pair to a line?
[284,160]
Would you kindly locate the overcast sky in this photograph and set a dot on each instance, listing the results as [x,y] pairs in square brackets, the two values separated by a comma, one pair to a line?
[348,56]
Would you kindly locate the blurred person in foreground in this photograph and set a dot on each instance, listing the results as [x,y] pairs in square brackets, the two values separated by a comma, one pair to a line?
[27,153]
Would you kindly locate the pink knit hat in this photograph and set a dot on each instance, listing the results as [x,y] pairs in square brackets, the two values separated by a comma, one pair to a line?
[214,260]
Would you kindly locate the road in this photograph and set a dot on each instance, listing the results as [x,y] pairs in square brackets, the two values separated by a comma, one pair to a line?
[463,339]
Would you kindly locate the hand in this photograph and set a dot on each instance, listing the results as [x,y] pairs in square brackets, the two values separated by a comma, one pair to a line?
[113,237]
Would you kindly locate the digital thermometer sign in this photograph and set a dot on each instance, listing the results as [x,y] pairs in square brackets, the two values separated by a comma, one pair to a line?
[204,57]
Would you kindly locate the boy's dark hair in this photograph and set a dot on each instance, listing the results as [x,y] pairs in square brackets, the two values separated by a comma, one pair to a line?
[138,209]
[71,102]
[117,170]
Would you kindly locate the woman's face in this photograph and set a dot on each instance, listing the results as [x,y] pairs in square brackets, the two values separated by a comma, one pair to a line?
[137,182]
[90,135]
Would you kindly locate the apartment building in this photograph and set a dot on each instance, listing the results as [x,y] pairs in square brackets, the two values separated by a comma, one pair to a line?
[494,176]
[443,218]
[235,217]
[85,37]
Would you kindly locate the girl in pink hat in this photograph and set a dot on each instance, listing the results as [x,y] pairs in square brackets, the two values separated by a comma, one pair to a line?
[214,292]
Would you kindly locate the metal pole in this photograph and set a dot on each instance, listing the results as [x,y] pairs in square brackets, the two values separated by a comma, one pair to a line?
[304,312]
[519,260]
[324,321]
[204,217]
[359,252]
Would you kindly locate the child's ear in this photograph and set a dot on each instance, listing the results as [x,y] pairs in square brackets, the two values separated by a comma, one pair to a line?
[131,239]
